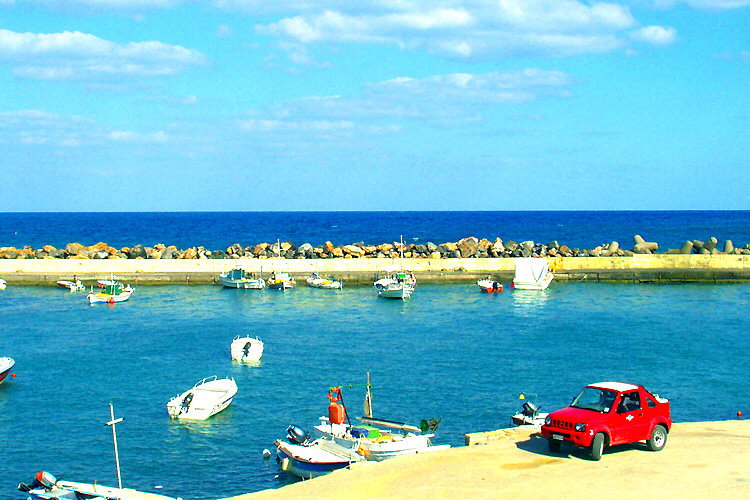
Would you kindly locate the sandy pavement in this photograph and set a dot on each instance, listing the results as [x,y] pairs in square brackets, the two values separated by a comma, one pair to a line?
[702,460]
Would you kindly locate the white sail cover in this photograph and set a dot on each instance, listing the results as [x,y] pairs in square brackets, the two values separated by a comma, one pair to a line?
[532,273]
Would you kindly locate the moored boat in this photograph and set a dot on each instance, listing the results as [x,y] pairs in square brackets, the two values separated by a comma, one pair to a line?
[316,281]
[110,293]
[529,414]
[376,439]
[489,285]
[6,364]
[532,273]
[306,458]
[73,285]
[205,399]
[246,349]
[239,278]
[281,281]
[45,486]
[3,284]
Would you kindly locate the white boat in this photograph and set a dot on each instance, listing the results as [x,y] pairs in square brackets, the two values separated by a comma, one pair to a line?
[46,487]
[238,278]
[73,285]
[394,289]
[489,285]
[6,364]
[306,458]
[281,281]
[3,284]
[532,274]
[208,397]
[110,293]
[246,349]
[529,415]
[316,281]
[377,439]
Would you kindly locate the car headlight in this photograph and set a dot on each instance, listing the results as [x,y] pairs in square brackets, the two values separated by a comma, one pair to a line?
[547,420]
[580,427]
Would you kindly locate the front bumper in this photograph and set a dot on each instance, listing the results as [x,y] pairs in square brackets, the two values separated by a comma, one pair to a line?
[567,436]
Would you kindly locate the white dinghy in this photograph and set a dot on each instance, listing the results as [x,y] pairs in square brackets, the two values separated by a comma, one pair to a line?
[246,349]
[532,274]
[208,397]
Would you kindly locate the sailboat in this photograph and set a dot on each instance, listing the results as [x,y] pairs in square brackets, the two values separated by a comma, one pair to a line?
[45,486]
[398,284]
[377,438]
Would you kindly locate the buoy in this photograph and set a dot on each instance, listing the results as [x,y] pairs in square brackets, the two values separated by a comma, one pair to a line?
[739,414]
[266,453]
[111,301]
[512,285]
[13,375]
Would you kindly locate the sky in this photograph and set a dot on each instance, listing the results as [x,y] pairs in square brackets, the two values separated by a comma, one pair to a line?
[251,105]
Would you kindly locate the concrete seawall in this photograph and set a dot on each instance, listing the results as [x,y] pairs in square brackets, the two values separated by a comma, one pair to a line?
[637,268]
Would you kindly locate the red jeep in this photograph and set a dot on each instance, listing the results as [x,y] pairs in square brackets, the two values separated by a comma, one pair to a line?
[607,414]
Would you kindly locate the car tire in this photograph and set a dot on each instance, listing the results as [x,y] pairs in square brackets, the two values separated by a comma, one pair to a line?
[597,446]
[554,446]
[658,439]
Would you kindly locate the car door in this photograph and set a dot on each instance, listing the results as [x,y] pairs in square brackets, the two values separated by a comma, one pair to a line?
[629,422]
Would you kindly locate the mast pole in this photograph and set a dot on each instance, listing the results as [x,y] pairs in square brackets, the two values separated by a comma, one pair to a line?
[112,424]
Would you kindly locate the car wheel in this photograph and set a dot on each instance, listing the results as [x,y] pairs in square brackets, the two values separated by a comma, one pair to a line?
[597,447]
[554,446]
[658,439]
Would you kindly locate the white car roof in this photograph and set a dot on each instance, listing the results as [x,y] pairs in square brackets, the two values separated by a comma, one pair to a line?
[615,386]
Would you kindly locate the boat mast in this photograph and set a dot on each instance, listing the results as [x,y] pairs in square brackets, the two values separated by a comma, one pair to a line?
[112,424]
[368,398]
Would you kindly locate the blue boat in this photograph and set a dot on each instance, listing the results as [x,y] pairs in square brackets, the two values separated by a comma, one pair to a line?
[306,459]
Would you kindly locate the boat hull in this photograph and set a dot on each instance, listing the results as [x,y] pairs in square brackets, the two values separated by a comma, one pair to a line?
[6,365]
[105,298]
[204,400]
[309,461]
[245,284]
[69,490]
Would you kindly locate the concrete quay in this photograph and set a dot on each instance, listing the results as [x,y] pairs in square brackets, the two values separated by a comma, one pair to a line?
[658,268]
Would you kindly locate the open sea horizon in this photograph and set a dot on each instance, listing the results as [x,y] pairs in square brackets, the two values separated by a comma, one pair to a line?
[450,351]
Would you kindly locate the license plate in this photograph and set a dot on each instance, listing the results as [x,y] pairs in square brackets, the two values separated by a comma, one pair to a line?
[559,437]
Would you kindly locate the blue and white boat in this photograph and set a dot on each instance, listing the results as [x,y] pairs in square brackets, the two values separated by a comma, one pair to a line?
[45,486]
[239,278]
[306,458]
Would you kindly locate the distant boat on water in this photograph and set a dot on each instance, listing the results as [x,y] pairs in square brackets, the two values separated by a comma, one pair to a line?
[239,278]
[205,399]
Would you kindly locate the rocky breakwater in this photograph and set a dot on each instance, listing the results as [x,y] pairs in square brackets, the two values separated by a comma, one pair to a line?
[470,247]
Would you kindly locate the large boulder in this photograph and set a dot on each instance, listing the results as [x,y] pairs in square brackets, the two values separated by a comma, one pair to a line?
[642,246]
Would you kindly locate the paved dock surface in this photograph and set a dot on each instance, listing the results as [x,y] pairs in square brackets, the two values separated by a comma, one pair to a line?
[702,460]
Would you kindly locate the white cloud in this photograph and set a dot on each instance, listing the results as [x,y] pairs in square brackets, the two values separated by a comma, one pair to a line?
[704,4]
[656,35]
[37,127]
[127,136]
[76,55]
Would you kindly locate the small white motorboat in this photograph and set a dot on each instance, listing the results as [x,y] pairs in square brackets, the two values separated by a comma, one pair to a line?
[45,486]
[239,278]
[3,284]
[306,458]
[246,349]
[208,397]
[529,415]
[281,281]
[490,286]
[110,293]
[532,274]
[73,285]
[316,281]
[6,364]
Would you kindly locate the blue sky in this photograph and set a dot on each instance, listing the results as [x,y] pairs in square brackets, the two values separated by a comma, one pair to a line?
[141,105]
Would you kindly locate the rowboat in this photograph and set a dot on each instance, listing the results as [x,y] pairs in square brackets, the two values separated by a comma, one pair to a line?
[489,285]
[281,281]
[239,278]
[72,285]
[206,398]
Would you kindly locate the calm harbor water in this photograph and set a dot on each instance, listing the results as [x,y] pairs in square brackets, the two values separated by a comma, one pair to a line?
[449,352]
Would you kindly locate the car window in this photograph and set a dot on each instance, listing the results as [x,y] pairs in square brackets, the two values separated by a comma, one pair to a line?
[631,401]
[591,398]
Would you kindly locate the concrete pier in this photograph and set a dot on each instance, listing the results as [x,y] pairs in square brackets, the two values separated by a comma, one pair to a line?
[659,268]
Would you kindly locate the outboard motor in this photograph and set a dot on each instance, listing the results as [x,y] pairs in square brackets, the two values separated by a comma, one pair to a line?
[42,479]
[297,435]
[529,409]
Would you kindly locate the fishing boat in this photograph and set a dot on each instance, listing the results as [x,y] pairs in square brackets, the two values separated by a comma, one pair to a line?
[246,349]
[73,285]
[6,364]
[398,284]
[316,281]
[306,458]
[281,281]
[3,284]
[376,439]
[239,278]
[489,285]
[532,274]
[206,398]
[110,293]
[45,486]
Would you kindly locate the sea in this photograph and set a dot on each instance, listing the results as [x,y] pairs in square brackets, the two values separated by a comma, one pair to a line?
[450,352]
